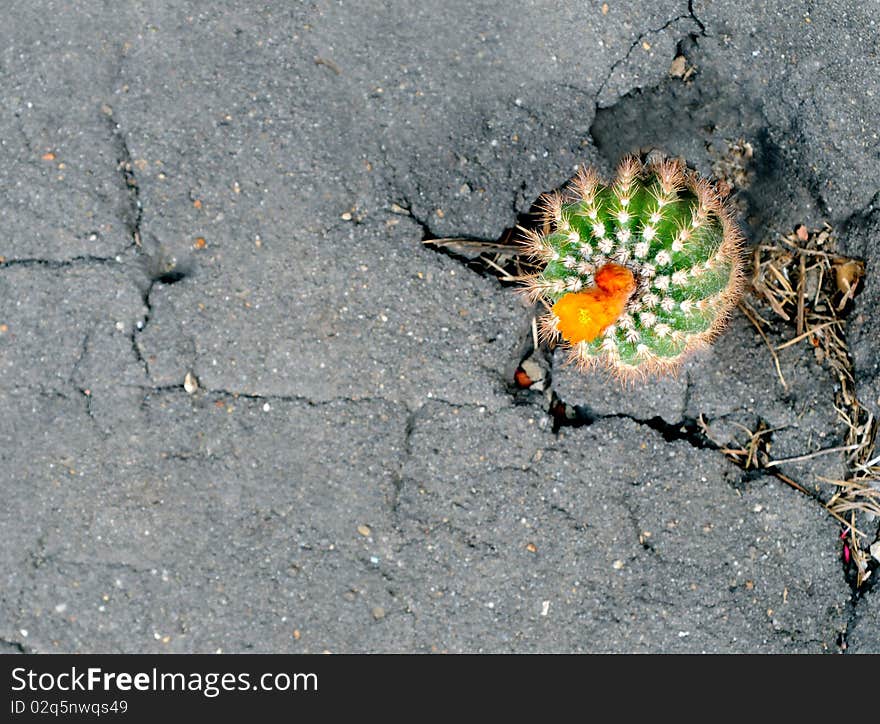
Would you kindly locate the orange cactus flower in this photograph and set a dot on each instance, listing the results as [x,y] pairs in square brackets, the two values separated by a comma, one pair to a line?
[584,315]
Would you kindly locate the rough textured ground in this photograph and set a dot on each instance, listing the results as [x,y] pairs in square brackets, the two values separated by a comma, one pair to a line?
[236,197]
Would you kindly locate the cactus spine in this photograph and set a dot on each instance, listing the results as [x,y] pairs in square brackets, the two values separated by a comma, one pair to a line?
[639,272]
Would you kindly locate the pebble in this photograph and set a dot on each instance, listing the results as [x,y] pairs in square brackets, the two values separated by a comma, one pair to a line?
[533,370]
[875,551]
[190,383]
[364,530]
[378,613]
[677,68]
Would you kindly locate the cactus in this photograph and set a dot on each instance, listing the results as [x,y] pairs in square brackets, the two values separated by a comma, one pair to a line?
[639,273]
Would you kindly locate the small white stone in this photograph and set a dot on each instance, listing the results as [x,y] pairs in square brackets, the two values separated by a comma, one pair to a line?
[190,383]
[266,407]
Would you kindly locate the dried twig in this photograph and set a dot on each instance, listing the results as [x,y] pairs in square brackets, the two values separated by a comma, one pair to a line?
[785,276]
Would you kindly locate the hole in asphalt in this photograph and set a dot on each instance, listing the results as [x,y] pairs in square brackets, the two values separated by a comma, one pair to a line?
[164,267]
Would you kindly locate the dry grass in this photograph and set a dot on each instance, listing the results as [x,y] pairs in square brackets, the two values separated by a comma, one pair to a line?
[503,259]
[804,282]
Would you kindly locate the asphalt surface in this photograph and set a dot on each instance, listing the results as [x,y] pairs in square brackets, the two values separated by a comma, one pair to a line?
[244,408]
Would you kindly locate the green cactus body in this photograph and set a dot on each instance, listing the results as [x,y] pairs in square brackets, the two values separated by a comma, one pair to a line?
[638,272]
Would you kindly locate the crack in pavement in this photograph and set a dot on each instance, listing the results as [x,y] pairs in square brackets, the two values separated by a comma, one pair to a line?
[125,166]
[17,646]
[694,17]
[76,261]
[620,61]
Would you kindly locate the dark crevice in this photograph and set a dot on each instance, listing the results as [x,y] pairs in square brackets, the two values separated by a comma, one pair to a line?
[687,429]
[255,397]
[475,263]
[84,348]
[160,268]
[84,260]
[693,16]
[399,478]
[139,327]
[576,524]
[125,166]
[15,647]
[643,539]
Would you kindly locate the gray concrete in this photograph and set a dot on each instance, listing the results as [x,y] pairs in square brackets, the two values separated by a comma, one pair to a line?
[347,467]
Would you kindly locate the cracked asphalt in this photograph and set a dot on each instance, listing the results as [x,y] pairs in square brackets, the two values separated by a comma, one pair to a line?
[244,408]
